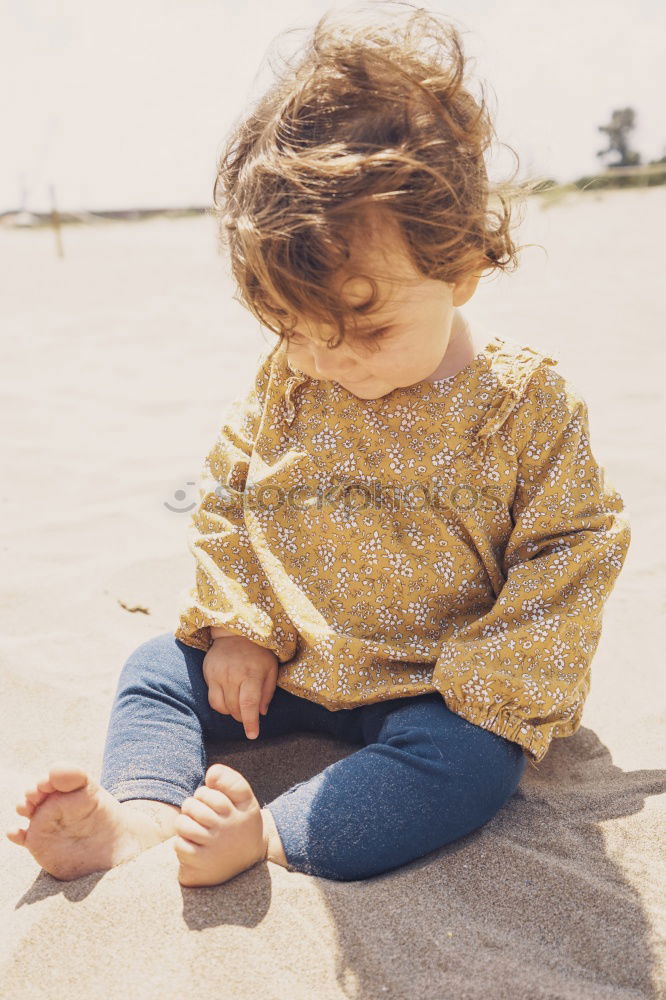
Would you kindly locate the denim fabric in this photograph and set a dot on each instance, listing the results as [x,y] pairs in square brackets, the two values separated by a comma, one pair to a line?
[423,777]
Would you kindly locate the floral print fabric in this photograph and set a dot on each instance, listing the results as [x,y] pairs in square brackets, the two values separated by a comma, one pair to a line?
[455,536]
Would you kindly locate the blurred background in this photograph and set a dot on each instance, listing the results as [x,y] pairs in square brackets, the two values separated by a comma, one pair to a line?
[123,105]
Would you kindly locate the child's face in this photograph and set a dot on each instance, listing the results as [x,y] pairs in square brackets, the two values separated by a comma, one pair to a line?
[416,316]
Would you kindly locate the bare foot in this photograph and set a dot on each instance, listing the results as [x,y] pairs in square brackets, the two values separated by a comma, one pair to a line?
[221,830]
[77,827]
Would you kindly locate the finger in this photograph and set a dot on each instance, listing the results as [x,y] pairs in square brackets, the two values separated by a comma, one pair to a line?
[268,690]
[216,698]
[231,698]
[248,702]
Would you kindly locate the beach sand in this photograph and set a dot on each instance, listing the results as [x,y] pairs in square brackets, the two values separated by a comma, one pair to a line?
[117,360]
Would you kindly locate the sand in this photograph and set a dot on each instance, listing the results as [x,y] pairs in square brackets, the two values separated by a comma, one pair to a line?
[116,362]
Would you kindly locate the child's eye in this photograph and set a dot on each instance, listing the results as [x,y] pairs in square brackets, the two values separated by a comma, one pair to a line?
[373,337]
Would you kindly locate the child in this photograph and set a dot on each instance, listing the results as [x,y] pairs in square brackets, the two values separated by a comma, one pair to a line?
[403,538]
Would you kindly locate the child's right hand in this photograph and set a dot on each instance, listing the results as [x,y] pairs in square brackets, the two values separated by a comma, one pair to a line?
[241,678]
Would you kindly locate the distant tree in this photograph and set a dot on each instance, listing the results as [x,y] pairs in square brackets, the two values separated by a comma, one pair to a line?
[622,121]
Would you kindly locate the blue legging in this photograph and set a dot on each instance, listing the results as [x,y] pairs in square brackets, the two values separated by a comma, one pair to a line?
[424,777]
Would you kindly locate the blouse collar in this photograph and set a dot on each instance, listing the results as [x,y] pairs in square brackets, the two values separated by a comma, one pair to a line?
[512,363]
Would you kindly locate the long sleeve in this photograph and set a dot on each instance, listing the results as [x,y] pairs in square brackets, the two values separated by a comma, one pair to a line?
[231,590]
[523,668]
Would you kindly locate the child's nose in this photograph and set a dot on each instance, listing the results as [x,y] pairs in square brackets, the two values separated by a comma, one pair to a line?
[330,367]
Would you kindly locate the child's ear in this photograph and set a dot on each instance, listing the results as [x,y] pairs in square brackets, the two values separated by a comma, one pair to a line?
[464,289]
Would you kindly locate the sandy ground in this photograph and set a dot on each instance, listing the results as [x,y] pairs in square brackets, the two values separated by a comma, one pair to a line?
[116,361]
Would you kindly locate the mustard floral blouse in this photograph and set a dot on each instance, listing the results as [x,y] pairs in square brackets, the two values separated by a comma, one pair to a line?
[455,536]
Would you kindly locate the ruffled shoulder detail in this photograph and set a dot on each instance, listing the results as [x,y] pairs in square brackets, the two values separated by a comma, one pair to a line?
[511,367]
[293,379]
[282,379]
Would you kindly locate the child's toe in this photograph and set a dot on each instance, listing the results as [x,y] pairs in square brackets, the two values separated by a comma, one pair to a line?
[214,798]
[191,830]
[203,813]
[16,836]
[218,775]
[232,783]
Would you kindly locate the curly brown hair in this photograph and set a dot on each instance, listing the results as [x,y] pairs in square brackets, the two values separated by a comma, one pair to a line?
[372,120]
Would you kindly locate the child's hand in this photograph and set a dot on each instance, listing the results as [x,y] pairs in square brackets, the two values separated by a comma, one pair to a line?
[241,678]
